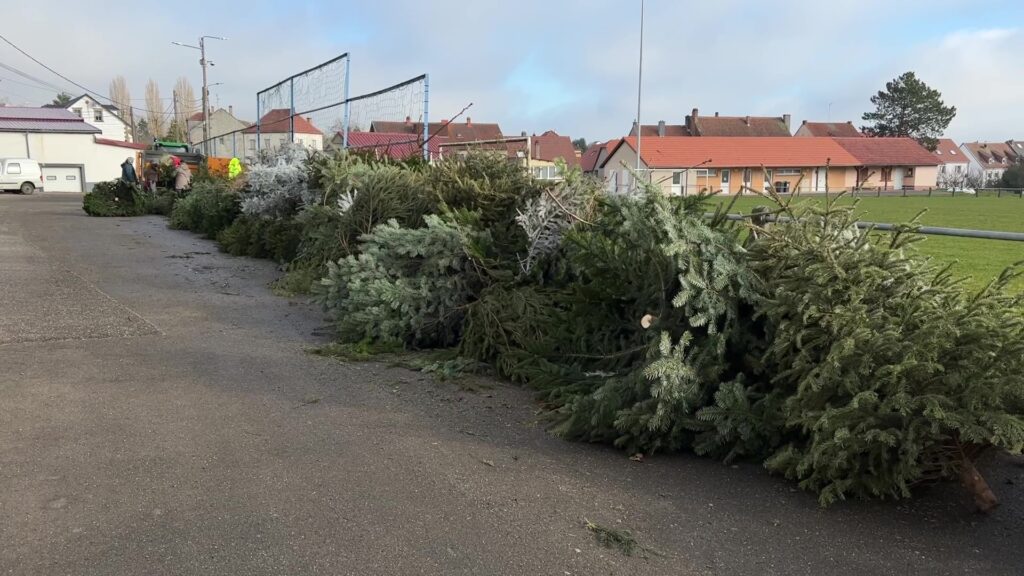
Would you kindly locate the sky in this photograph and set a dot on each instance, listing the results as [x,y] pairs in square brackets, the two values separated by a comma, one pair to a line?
[563,65]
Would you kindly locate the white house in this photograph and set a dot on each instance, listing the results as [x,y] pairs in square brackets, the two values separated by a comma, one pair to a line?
[273,130]
[954,165]
[73,154]
[103,116]
[226,137]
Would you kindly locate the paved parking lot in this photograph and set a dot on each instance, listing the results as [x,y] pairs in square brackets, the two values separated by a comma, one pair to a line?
[159,414]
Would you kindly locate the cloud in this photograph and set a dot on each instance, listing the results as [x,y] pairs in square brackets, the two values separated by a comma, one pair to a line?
[568,65]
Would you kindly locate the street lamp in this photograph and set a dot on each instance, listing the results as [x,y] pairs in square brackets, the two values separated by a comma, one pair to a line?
[639,89]
[206,89]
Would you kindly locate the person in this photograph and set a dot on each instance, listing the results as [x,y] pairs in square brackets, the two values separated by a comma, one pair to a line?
[234,168]
[128,171]
[150,175]
[182,176]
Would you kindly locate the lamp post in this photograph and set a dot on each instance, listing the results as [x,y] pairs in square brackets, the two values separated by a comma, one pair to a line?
[639,89]
[206,89]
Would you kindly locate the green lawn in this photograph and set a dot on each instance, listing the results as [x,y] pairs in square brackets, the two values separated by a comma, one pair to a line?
[981,260]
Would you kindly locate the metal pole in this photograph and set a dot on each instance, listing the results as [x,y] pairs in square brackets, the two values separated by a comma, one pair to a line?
[426,118]
[344,136]
[258,119]
[206,95]
[291,108]
[639,88]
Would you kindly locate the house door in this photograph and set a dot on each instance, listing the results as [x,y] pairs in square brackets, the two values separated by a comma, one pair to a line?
[677,183]
[897,178]
[747,178]
[820,179]
[725,181]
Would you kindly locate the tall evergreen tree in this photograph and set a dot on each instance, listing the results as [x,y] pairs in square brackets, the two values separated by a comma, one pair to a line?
[909,107]
[62,100]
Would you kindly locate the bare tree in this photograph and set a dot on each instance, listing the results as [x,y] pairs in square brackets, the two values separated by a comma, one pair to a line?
[186,100]
[154,110]
[120,96]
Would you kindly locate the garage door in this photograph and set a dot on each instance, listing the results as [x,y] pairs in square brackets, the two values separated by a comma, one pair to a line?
[62,179]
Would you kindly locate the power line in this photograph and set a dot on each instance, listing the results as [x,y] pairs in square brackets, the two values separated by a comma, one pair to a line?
[65,78]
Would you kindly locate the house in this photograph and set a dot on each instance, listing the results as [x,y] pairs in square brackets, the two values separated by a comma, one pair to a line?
[595,156]
[546,150]
[990,159]
[106,117]
[730,164]
[954,165]
[396,146]
[892,163]
[226,138]
[74,155]
[273,131]
[467,131]
[726,126]
[828,129]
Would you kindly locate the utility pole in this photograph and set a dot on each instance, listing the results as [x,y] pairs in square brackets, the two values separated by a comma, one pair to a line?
[131,118]
[206,89]
[639,89]
[206,94]
[174,99]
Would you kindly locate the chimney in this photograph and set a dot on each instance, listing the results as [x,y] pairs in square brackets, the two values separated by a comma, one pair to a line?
[469,122]
[408,121]
[231,110]
[523,133]
[746,120]
[786,119]
[661,128]
[716,114]
[636,129]
[804,123]
[694,114]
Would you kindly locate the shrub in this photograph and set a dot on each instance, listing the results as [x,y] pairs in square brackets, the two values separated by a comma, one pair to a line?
[208,209]
[882,372]
[114,198]
[407,285]
[278,183]
[276,240]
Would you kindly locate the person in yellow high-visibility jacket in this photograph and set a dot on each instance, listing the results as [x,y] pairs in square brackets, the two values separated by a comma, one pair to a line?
[234,168]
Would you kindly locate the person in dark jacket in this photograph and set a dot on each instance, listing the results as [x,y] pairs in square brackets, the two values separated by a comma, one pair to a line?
[128,172]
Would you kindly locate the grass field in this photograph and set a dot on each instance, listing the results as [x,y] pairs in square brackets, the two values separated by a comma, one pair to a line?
[981,260]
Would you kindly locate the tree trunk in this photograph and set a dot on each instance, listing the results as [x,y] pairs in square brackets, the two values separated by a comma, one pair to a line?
[972,480]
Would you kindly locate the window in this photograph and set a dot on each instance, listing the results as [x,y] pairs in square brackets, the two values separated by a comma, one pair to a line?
[942,169]
[910,172]
[939,152]
[252,144]
[302,142]
[266,143]
[51,178]
[14,168]
[768,177]
[284,141]
[677,178]
[788,172]
[702,173]
[725,176]
[953,152]
[98,114]
[71,177]
[958,168]
[782,187]
[77,111]
[748,175]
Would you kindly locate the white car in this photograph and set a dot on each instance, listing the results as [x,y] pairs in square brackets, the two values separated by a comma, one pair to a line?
[20,174]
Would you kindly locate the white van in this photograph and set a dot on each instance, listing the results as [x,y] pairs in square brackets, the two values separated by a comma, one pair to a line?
[20,174]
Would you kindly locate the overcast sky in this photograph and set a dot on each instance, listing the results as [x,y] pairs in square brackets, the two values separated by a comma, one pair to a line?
[567,65]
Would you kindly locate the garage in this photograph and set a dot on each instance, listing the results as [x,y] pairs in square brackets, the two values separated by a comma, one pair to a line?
[62,178]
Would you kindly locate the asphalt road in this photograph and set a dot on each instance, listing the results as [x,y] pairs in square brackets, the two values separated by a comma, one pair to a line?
[159,414]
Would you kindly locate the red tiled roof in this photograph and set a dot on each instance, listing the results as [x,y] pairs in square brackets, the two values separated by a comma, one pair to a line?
[197,117]
[397,146]
[947,152]
[651,130]
[550,146]
[888,151]
[455,131]
[277,122]
[589,160]
[740,152]
[738,126]
[121,143]
[830,129]
[991,154]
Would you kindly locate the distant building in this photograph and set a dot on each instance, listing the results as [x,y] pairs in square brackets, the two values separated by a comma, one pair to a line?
[273,132]
[396,146]
[892,163]
[954,165]
[226,137]
[990,159]
[723,126]
[546,150]
[828,129]
[467,131]
[73,154]
[106,117]
[595,156]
